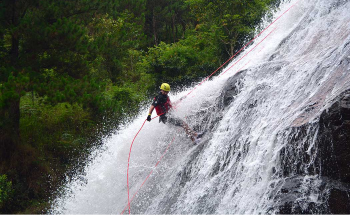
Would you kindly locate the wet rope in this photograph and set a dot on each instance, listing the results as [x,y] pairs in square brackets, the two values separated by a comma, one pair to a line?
[127,174]
[149,174]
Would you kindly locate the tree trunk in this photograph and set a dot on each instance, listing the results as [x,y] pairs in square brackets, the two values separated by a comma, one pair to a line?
[14,52]
[173,27]
[9,129]
[10,114]
[176,31]
[231,48]
[15,20]
[154,23]
[183,24]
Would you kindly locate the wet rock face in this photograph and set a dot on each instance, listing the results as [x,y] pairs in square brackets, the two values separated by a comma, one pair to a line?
[339,201]
[331,165]
[232,88]
[210,114]
[334,139]
[334,143]
[333,198]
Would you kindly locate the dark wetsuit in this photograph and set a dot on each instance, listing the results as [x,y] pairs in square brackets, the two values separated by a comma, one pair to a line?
[162,105]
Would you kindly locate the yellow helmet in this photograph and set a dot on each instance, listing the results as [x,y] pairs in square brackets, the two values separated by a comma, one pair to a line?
[165,87]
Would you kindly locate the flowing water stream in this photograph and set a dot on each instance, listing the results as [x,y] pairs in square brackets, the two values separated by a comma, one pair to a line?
[245,158]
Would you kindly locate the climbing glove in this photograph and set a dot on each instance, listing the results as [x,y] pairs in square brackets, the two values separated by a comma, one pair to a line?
[149,118]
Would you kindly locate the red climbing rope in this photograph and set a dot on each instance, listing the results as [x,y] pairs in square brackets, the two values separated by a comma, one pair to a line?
[127,174]
[189,94]
[149,174]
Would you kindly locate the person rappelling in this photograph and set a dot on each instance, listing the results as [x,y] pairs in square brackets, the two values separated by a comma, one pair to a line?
[163,105]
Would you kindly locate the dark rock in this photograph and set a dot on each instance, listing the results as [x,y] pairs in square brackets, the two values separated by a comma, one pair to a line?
[296,209]
[232,87]
[329,160]
[210,115]
[334,139]
[294,157]
[333,197]
[339,201]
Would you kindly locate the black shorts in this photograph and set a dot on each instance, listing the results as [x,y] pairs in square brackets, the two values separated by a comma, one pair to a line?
[171,120]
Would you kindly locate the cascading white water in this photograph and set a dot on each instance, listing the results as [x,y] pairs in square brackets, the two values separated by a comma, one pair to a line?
[290,78]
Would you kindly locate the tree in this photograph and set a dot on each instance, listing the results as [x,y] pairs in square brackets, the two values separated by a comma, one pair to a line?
[233,20]
[166,20]
[44,49]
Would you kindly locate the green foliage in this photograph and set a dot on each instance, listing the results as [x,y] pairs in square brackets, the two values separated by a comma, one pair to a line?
[166,20]
[9,90]
[232,20]
[6,190]
[189,58]
[119,38]
[54,130]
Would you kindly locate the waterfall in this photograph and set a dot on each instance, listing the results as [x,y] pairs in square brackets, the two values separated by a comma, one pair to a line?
[265,142]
